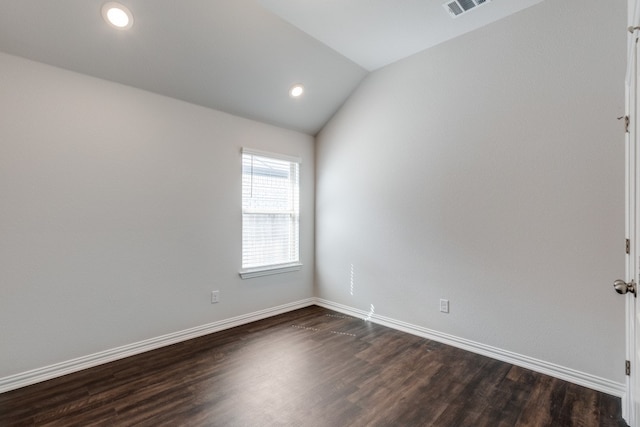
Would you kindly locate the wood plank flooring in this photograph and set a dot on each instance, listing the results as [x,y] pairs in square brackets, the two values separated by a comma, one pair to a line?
[311,367]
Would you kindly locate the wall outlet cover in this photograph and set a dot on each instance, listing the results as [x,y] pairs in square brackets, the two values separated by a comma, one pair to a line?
[444,305]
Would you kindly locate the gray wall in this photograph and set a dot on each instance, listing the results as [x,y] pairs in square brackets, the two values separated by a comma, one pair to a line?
[488,171]
[120,213]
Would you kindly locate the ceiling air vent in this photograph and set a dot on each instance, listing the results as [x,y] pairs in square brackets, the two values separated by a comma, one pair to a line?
[459,7]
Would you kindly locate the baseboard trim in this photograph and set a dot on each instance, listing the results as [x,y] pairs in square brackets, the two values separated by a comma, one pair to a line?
[567,374]
[34,376]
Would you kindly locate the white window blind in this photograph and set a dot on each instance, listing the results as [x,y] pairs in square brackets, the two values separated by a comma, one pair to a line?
[270,211]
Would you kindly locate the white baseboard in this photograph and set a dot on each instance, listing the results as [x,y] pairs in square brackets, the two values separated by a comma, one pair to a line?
[34,376]
[567,374]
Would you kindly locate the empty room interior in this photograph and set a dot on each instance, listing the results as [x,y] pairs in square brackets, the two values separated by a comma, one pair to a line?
[455,176]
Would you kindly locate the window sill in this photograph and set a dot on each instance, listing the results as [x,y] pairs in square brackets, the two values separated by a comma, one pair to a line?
[249,273]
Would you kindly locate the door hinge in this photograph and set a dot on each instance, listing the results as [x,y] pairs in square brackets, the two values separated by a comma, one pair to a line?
[627,367]
[627,247]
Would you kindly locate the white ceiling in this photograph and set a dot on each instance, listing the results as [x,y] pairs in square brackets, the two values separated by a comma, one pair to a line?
[375,33]
[239,56]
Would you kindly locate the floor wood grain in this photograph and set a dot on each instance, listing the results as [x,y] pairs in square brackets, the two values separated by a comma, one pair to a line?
[311,367]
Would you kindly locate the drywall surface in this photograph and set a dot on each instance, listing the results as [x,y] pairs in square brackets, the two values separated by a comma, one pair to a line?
[488,171]
[120,212]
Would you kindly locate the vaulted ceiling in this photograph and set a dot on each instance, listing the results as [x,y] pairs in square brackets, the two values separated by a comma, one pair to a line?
[239,56]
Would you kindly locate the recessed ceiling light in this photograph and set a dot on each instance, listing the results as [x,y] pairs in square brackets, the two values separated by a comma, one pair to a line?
[296,91]
[117,15]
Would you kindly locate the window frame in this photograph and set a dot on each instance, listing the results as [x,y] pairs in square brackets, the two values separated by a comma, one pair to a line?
[263,270]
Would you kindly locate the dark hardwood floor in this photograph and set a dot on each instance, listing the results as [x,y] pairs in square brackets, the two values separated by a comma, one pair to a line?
[310,367]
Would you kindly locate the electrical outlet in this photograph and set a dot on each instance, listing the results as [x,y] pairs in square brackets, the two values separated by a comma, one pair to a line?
[444,305]
[215,297]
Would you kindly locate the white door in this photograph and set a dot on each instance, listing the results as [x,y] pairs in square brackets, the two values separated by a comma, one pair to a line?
[631,403]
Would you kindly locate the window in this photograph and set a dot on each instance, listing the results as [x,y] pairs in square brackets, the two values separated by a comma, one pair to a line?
[270,213]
